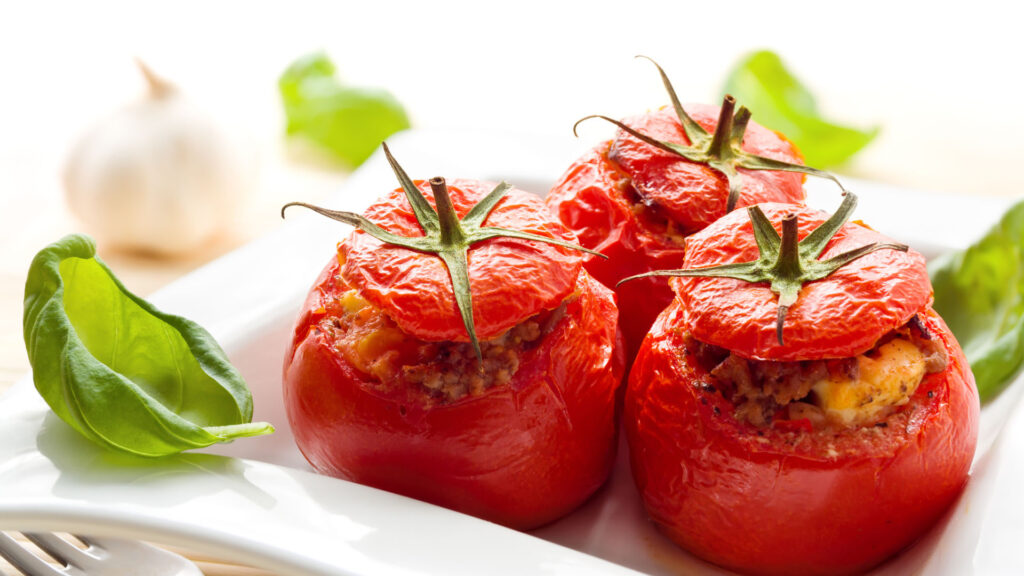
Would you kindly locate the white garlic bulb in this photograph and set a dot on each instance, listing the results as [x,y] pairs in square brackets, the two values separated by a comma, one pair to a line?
[157,175]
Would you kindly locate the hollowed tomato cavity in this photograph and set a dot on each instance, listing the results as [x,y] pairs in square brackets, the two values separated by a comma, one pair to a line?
[653,220]
[829,394]
[445,371]
[648,213]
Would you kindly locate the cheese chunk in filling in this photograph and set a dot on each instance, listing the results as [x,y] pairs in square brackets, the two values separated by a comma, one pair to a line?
[884,380]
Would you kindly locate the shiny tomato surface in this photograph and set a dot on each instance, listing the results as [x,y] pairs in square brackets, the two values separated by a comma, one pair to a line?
[511,279]
[591,199]
[777,501]
[838,316]
[635,203]
[694,195]
[522,453]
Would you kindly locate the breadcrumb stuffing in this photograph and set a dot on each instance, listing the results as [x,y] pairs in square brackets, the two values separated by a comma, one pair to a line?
[446,371]
[837,393]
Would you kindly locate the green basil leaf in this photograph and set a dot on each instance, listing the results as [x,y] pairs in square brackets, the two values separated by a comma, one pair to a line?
[349,122]
[778,100]
[118,370]
[980,294]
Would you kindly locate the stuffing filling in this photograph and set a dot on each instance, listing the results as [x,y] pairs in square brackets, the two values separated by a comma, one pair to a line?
[653,218]
[835,393]
[446,371]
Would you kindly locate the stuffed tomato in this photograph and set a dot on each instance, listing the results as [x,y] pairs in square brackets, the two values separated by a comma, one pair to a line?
[665,175]
[509,416]
[815,434]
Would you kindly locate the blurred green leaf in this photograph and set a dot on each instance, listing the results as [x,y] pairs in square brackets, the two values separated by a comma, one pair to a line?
[349,122]
[778,100]
[980,294]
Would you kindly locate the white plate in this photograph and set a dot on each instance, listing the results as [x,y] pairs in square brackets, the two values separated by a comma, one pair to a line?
[256,501]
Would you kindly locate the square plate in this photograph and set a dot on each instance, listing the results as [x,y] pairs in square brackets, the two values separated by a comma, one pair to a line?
[256,500]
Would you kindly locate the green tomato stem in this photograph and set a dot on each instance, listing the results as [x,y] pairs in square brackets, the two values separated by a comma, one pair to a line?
[451,230]
[721,144]
[787,266]
[722,152]
[786,263]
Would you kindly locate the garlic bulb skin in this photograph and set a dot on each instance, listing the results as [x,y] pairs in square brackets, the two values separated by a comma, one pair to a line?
[156,176]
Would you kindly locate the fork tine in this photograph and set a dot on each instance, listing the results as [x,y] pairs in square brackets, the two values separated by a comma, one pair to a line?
[61,550]
[137,553]
[23,560]
[103,556]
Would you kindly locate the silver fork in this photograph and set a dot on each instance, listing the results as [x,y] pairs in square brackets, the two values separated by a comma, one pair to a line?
[100,557]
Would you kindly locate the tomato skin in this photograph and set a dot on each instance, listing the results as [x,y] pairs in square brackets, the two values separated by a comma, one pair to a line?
[695,195]
[595,199]
[755,503]
[839,316]
[520,455]
[590,199]
[416,290]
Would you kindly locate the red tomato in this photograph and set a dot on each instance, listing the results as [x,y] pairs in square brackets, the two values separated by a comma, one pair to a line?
[776,501]
[790,499]
[521,454]
[635,203]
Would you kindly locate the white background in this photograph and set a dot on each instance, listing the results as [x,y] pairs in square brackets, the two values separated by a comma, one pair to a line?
[942,79]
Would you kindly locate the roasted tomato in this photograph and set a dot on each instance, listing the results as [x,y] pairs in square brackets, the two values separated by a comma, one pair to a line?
[383,384]
[819,440]
[668,174]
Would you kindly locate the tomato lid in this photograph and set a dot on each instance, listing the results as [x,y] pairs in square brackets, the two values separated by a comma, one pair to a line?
[838,316]
[694,194]
[510,279]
